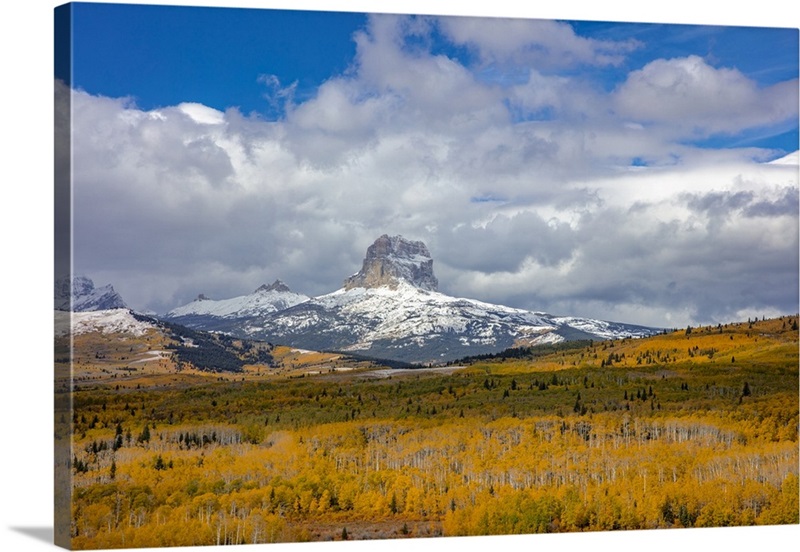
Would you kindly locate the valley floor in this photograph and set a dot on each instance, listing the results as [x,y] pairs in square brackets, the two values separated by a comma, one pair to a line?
[698,428]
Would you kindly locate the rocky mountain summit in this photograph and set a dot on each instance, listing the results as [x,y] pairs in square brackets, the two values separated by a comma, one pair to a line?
[391,260]
[391,309]
[277,285]
[80,295]
[210,314]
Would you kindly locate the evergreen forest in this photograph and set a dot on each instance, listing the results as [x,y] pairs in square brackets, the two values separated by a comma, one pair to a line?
[694,428]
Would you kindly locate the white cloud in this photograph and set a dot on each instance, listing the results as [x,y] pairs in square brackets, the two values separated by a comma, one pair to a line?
[431,90]
[543,213]
[541,43]
[200,113]
[695,99]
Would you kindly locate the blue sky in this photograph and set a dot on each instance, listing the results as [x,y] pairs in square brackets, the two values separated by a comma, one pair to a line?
[164,55]
[645,173]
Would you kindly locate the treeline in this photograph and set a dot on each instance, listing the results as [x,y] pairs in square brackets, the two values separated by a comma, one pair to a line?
[215,352]
[211,358]
[388,363]
[526,353]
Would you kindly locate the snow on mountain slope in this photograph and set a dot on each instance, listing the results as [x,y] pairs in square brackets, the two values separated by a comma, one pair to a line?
[264,300]
[391,309]
[410,324]
[104,321]
[80,295]
[602,328]
[404,313]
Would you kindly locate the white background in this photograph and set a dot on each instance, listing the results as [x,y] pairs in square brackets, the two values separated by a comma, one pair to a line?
[26,210]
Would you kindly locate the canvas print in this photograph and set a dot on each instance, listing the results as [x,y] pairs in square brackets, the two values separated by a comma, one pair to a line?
[329,276]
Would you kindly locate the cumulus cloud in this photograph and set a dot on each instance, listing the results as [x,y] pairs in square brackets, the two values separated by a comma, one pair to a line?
[542,44]
[696,99]
[523,192]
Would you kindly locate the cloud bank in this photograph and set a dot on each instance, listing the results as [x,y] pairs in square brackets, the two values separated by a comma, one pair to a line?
[532,185]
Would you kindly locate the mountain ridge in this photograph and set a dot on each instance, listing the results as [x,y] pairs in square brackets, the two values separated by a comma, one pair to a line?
[391,309]
[266,299]
[79,294]
[390,260]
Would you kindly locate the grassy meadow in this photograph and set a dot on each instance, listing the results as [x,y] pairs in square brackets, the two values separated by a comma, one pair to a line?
[693,428]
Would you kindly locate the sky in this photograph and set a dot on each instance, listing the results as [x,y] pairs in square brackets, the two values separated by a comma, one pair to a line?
[642,173]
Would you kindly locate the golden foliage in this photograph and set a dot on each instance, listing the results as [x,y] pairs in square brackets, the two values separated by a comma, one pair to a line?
[681,440]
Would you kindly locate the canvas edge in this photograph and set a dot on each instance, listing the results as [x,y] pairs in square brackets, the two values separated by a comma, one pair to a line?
[62,181]
[63,267]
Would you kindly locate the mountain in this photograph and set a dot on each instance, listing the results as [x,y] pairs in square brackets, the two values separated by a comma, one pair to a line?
[84,296]
[391,309]
[120,342]
[109,321]
[391,260]
[208,314]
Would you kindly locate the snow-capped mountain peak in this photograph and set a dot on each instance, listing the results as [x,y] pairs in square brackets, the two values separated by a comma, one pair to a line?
[391,309]
[277,285]
[80,295]
[391,260]
[205,313]
[105,321]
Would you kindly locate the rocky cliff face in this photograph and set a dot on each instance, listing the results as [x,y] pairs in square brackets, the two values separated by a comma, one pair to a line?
[393,259]
[277,285]
[80,295]
[390,309]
